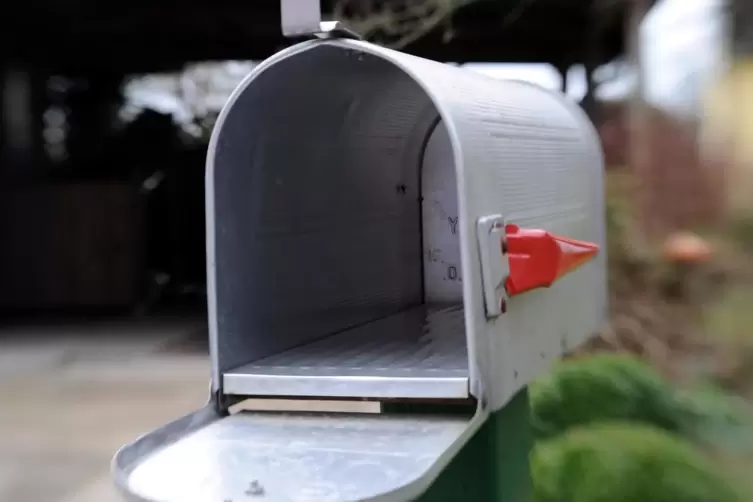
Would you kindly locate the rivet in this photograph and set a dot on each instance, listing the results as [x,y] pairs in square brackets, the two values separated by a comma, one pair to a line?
[255,489]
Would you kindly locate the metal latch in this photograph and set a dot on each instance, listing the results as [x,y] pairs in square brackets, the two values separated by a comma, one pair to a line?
[516,260]
[300,18]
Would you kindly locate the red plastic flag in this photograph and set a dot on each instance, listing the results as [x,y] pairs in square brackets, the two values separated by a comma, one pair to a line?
[538,258]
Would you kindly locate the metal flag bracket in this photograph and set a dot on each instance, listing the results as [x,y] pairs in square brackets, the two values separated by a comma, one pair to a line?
[303,18]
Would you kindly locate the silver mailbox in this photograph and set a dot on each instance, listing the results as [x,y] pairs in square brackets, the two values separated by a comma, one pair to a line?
[357,203]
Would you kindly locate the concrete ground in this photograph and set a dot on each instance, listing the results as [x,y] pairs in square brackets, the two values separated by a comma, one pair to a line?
[71,395]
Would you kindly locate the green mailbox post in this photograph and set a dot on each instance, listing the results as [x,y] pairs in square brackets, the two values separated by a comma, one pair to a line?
[382,228]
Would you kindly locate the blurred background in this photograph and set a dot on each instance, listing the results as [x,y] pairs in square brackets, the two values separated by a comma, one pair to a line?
[106,111]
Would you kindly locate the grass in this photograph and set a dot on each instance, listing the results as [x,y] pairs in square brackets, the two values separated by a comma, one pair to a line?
[729,319]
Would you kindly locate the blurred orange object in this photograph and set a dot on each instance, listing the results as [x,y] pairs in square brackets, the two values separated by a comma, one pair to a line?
[687,247]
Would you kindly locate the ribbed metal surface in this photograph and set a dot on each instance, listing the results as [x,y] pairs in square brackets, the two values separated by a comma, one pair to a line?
[301,458]
[414,354]
[316,204]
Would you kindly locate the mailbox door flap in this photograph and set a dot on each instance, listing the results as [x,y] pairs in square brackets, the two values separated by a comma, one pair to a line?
[293,457]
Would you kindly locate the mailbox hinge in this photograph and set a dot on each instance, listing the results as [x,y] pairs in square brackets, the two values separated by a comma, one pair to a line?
[492,242]
[303,18]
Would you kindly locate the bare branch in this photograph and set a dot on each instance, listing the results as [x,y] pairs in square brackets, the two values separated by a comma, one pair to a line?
[395,24]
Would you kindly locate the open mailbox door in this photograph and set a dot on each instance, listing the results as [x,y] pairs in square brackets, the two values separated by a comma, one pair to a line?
[380,227]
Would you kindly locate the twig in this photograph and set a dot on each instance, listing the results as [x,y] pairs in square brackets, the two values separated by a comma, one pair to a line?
[406,22]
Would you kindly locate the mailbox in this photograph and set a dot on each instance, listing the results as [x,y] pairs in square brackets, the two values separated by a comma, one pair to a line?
[380,228]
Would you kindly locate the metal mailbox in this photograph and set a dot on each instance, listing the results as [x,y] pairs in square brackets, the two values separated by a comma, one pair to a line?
[380,227]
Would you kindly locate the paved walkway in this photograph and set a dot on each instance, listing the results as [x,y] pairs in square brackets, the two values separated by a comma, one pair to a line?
[71,395]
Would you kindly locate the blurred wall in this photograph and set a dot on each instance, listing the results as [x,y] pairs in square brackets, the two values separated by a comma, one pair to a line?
[679,188]
[70,246]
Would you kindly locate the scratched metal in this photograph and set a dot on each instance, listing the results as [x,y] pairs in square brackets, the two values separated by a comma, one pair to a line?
[443,277]
[300,458]
[419,353]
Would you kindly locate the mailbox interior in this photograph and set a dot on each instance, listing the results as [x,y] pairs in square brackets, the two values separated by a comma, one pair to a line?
[334,255]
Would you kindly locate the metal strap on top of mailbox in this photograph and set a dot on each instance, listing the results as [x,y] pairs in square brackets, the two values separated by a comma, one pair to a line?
[304,17]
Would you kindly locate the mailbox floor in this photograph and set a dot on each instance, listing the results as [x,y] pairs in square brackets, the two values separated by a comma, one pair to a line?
[71,395]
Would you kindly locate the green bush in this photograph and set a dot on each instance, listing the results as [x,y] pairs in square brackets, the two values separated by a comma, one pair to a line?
[601,387]
[714,418]
[621,462]
[618,387]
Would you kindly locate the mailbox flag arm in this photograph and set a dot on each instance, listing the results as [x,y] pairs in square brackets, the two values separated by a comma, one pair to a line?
[538,258]
[530,259]
[301,18]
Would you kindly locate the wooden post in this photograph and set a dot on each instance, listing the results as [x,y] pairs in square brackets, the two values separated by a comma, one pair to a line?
[638,122]
[741,27]
[563,69]
[24,101]
[740,179]
[589,100]
[3,123]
